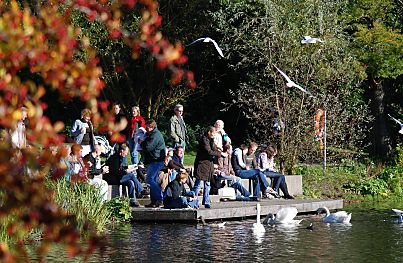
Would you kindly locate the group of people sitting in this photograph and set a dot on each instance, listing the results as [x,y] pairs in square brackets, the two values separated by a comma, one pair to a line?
[165,176]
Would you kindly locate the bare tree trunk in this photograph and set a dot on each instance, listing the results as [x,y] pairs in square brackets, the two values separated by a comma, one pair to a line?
[381,139]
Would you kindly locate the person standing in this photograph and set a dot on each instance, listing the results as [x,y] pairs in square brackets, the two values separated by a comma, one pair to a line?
[153,150]
[83,132]
[204,166]
[119,118]
[179,134]
[136,122]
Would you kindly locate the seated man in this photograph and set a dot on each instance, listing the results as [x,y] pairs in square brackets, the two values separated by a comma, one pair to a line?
[177,164]
[95,171]
[119,173]
[175,195]
[225,172]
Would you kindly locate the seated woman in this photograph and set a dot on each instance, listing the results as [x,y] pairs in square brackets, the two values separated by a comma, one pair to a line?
[175,195]
[266,164]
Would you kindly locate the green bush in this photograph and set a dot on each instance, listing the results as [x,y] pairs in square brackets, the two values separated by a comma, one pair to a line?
[120,209]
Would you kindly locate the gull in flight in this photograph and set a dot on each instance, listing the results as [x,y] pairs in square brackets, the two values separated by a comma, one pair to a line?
[398,122]
[310,40]
[291,83]
[207,39]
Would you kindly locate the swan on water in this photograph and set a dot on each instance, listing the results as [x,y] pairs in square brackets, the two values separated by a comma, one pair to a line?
[399,213]
[339,217]
[258,227]
[285,215]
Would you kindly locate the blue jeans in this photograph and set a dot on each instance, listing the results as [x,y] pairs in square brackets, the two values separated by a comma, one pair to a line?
[206,190]
[180,202]
[131,181]
[133,153]
[278,181]
[258,177]
[152,180]
[236,184]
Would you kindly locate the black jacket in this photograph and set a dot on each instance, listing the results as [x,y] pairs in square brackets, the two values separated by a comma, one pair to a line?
[116,170]
[175,190]
[92,170]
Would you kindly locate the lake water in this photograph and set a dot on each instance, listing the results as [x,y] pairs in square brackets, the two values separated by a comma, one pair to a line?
[373,236]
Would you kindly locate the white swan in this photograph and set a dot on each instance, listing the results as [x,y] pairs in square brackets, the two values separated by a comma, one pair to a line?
[258,227]
[284,216]
[339,217]
[399,213]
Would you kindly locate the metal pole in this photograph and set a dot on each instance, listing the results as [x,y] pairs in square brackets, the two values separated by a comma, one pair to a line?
[324,142]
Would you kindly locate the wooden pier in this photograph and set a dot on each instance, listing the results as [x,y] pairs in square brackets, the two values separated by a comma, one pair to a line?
[231,210]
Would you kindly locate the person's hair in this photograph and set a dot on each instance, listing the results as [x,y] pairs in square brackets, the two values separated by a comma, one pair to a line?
[243,147]
[122,147]
[178,106]
[253,144]
[211,129]
[85,113]
[270,150]
[151,123]
[137,108]
[226,147]
[75,148]
[219,121]
[181,175]
[178,147]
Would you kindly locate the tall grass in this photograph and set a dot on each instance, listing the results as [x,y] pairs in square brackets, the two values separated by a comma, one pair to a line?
[84,201]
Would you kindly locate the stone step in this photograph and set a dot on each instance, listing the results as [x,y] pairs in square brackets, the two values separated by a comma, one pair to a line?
[294,183]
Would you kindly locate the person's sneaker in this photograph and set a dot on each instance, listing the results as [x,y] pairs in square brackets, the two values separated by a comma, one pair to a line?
[288,197]
[145,194]
[253,198]
[207,206]
[270,190]
[158,204]
[150,205]
[134,204]
[269,196]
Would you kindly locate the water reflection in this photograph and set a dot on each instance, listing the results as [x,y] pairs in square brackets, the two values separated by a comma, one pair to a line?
[373,236]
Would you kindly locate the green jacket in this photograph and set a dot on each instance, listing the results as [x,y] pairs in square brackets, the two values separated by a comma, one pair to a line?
[153,147]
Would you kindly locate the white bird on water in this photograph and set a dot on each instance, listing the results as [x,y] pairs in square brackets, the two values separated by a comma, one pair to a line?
[206,40]
[399,213]
[341,217]
[285,216]
[258,227]
[398,122]
[291,83]
[310,40]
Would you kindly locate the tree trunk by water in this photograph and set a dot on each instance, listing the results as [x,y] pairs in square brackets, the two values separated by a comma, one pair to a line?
[381,139]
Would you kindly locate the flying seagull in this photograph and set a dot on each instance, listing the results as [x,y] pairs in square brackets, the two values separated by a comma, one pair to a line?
[398,122]
[207,39]
[291,83]
[310,40]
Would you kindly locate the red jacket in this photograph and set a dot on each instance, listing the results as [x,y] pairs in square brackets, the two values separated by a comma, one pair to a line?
[133,121]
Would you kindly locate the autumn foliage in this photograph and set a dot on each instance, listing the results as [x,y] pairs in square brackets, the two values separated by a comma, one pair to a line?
[46,45]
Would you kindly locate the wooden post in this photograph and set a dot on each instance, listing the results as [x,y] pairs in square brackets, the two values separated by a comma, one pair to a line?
[324,142]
